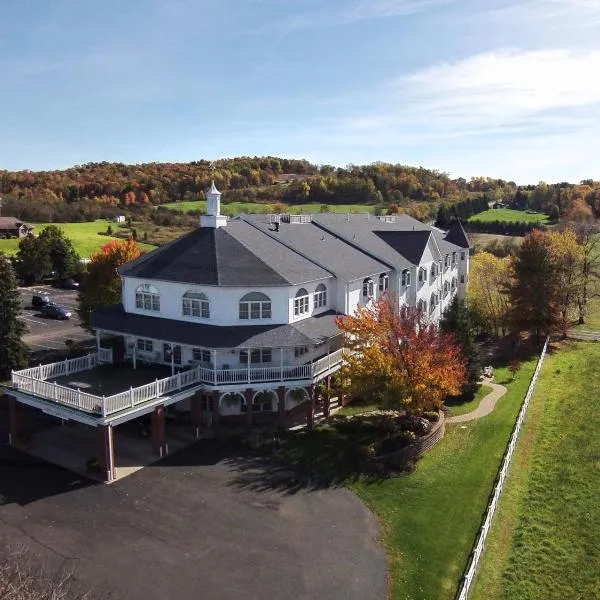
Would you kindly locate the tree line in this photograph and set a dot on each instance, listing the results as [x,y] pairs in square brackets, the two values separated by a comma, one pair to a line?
[460,210]
[502,227]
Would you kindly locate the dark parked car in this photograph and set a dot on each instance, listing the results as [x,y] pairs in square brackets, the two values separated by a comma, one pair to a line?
[40,299]
[55,311]
[68,284]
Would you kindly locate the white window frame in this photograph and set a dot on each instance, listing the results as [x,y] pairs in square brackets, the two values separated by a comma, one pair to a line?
[258,356]
[301,303]
[201,355]
[251,309]
[195,304]
[368,288]
[145,345]
[300,351]
[320,298]
[147,297]
[384,282]
[405,278]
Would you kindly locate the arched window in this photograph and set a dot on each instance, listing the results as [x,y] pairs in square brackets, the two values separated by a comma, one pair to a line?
[264,401]
[368,288]
[384,282]
[195,304]
[255,305]
[422,275]
[320,296]
[301,302]
[147,297]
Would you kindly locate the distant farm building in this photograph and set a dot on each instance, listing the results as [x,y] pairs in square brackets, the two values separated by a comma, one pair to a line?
[11,227]
[119,219]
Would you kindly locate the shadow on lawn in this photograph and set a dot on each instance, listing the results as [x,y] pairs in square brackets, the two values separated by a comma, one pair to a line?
[310,460]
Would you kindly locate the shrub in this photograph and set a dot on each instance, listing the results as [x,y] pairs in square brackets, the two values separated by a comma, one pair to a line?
[393,444]
[432,416]
[367,451]
[416,425]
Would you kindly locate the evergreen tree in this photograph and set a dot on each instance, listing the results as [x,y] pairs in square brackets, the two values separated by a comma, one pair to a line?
[13,351]
[63,258]
[457,319]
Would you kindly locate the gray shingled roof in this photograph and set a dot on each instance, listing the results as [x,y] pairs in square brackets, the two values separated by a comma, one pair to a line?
[235,255]
[308,331]
[322,247]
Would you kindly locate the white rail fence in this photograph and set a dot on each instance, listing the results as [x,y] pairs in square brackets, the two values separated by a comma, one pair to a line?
[34,381]
[493,504]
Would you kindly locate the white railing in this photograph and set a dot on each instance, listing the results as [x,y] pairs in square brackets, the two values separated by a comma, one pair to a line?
[34,381]
[493,504]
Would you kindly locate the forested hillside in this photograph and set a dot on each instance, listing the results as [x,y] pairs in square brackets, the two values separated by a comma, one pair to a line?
[96,190]
[92,190]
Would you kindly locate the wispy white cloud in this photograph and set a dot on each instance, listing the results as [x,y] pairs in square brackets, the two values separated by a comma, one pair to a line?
[584,12]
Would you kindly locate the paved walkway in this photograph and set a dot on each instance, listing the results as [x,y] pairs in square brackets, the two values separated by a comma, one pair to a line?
[486,406]
[591,336]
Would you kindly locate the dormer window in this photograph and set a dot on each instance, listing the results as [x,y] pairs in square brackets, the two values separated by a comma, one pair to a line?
[447,287]
[195,304]
[422,306]
[147,297]
[432,303]
[301,302]
[405,278]
[446,261]
[433,271]
[320,296]
[255,305]
[454,258]
[462,255]
[422,275]
[368,288]
[384,282]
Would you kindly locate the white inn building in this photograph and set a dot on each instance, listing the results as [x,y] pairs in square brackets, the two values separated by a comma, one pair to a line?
[240,316]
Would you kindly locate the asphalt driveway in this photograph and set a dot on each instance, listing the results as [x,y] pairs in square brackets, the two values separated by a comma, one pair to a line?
[206,522]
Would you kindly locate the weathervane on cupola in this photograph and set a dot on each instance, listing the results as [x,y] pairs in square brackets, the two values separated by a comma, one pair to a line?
[213,217]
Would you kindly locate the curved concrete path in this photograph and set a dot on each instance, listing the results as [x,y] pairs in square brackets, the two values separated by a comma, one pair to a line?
[486,406]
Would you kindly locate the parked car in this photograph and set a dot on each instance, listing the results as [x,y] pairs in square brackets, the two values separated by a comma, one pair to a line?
[55,311]
[40,299]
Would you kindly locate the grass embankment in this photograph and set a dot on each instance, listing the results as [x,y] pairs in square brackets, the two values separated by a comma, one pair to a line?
[237,208]
[86,237]
[431,517]
[545,541]
[509,215]
[456,407]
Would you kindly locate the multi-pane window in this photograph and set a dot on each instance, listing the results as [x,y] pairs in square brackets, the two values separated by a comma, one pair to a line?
[405,278]
[263,402]
[462,278]
[301,302]
[300,351]
[147,297]
[432,303]
[320,299]
[384,282]
[262,355]
[255,306]
[145,345]
[454,257]
[422,306]
[462,255]
[433,271]
[422,275]
[368,289]
[201,355]
[447,261]
[195,304]
[446,288]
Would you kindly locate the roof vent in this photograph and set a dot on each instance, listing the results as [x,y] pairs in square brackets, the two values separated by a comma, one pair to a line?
[387,218]
[296,219]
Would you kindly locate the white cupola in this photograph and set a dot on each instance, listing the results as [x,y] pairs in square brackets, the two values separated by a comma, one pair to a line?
[213,217]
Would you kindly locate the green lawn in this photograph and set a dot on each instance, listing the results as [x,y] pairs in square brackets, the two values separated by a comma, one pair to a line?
[85,237]
[236,208]
[431,517]
[461,408]
[510,216]
[545,542]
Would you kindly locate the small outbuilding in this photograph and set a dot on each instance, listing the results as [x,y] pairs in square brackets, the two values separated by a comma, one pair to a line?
[11,227]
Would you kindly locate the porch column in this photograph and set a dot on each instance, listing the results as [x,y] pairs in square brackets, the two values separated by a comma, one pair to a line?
[14,423]
[159,440]
[249,416]
[196,413]
[107,452]
[327,396]
[215,411]
[98,340]
[281,406]
[310,411]
[172,360]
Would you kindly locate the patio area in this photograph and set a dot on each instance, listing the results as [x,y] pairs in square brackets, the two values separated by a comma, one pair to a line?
[106,380]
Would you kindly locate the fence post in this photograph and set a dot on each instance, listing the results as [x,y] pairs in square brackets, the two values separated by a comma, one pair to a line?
[131,395]
[39,371]
[66,366]
[78,398]
[55,392]
[179,380]
[103,406]
[156,387]
[89,361]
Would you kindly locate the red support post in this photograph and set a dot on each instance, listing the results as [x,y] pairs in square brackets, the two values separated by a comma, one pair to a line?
[215,411]
[14,423]
[196,413]
[281,390]
[248,396]
[327,397]
[310,414]
[159,440]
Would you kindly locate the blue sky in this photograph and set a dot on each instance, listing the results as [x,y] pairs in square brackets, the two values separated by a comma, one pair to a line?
[490,87]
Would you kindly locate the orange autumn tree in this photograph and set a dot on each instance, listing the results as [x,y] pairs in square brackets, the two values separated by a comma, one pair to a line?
[398,360]
[102,284]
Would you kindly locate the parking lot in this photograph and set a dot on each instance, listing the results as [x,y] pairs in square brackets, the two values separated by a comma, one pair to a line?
[50,334]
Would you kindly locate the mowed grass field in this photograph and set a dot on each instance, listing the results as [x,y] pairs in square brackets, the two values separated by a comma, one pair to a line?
[545,540]
[510,216]
[237,208]
[85,236]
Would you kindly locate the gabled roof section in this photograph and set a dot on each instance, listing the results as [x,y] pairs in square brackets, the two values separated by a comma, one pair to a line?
[457,235]
[236,255]
[410,244]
